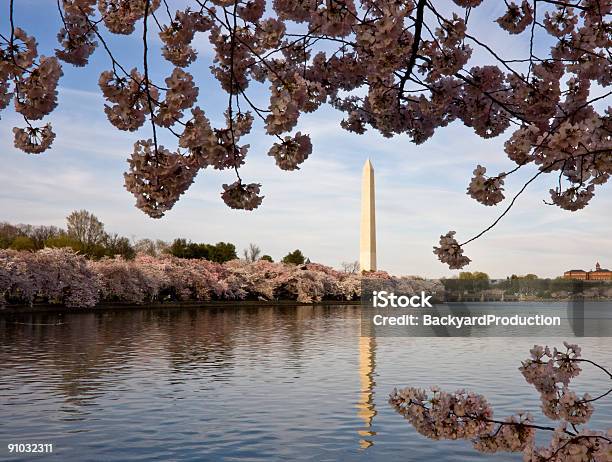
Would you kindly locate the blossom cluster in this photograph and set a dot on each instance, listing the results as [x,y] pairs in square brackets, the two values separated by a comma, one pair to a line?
[120,16]
[58,276]
[178,35]
[34,89]
[459,415]
[550,372]
[450,252]
[587,445]
[396,67]
[78,36]
[292,151]
[129,98]
[240,196]
[158,179]
[61,276]
[464,415]
[487,191]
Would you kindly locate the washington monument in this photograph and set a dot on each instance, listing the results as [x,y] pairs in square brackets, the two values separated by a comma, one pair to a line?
[367,244]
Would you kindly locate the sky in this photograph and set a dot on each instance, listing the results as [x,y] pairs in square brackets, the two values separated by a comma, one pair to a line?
[420,190]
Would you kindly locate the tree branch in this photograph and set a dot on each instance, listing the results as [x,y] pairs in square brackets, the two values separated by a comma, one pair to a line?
[540,171]
[416,40]
[146,72]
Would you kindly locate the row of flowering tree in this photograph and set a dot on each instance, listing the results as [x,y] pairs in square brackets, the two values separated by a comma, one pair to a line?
[61,276]
[398,67]
[465,415]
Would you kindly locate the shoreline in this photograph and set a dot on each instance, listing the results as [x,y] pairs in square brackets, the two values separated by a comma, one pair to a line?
[119,306]
[51,308]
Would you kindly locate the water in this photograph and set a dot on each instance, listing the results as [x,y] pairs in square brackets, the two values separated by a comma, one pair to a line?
[265,383]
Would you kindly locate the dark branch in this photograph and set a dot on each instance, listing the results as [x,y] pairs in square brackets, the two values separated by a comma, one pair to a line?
[416,41]
[146,73]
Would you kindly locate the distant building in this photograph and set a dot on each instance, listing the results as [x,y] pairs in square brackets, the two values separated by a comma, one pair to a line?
[576,274]
[600,274]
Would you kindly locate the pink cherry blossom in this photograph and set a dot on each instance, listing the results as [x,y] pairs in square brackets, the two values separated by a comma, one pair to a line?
[467,415]
[61,276]
[34,140]
[450,252]
[400,68]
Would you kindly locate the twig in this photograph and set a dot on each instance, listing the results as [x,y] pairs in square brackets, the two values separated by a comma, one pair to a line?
[418,26]
[542,170]
[146,73]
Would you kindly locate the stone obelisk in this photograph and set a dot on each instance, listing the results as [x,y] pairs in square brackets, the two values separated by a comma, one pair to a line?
[367,244]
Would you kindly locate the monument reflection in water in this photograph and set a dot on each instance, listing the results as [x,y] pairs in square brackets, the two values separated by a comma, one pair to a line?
[366,407]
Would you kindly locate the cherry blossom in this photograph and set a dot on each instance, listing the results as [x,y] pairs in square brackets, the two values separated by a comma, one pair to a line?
[20,56]
[487,191]
[36,94]
[572,198]
[450,252]
[178,35]
[465,415]
[560,22]
[34,140]
[198,135]
[120,16]
[516,18]
[241,196]
[513,435]
[130,98]
[292,151]
[158,179]
[58,276]
[400,68]
[77,37]
[181,94]
[61,276]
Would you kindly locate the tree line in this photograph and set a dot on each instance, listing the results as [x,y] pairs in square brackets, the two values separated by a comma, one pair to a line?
[85,233]
[524,285]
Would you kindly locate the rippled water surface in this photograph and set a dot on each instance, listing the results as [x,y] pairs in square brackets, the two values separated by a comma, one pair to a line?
[265,383]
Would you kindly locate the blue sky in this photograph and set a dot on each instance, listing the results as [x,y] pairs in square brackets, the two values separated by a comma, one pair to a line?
[420,189]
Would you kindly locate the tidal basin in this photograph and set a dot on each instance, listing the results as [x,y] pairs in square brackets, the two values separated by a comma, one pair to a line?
[248,383]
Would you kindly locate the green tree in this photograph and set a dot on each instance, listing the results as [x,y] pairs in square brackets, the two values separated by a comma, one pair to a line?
[267,258]
[23,243]
[528,284]
[8,233]
[294,258]
[473,281]
[476,275]
[86,229]
[222,252]
[119,245]
[40,234]
[63,240]
[180,248]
